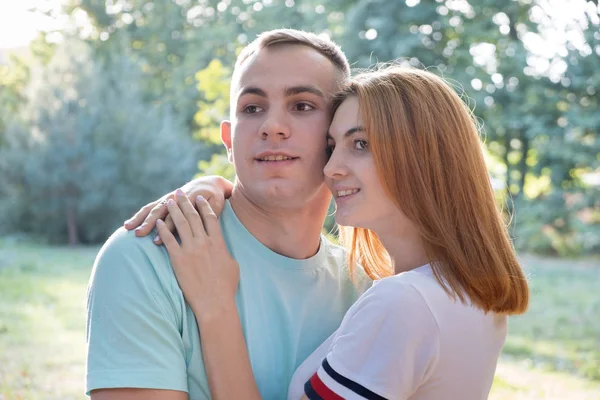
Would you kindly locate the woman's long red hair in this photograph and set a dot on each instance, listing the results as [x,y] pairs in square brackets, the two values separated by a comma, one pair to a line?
[428,154]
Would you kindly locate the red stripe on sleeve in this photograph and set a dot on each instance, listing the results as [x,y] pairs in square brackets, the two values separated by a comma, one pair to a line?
[322,390]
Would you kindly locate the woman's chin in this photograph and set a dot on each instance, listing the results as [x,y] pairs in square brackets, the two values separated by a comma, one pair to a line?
[344,220]
[341,220]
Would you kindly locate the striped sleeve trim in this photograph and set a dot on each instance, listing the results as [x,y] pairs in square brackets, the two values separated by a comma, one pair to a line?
[328,384]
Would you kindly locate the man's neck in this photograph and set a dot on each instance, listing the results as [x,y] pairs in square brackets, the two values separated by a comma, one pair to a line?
[293,233]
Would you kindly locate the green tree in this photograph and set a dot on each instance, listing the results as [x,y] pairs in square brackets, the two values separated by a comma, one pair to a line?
[13,79]
[87,150]
[540,126]
[539,122]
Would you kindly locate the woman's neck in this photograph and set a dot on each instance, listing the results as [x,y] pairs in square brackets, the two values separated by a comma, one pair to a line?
[406,250]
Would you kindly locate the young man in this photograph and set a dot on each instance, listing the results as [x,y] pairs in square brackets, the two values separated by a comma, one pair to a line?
[142,337]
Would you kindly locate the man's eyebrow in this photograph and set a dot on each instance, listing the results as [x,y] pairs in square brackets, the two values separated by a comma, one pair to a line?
[252,90]
[294,90]
[349,132]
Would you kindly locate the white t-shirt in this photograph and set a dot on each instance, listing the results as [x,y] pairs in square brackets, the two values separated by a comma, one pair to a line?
[405,338]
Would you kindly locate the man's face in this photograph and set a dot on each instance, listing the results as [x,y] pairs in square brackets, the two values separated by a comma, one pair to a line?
[280,117]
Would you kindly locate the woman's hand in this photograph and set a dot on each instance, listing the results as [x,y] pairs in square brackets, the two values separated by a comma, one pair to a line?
[209,278]
[214,189]
[207,274]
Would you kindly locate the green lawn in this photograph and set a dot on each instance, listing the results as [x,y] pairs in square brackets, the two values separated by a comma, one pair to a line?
[553,352]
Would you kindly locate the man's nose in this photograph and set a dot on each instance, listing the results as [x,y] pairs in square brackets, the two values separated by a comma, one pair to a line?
[276,126]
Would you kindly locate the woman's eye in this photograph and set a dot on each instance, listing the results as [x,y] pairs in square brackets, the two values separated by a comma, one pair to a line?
[360,144]
[303,107]
[330,149]
[251,109]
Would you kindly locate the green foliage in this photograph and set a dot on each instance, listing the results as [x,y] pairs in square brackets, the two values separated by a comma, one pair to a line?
[539,111]
[539,124]
[218,165]
[87,150]
[213,85]
[13,79]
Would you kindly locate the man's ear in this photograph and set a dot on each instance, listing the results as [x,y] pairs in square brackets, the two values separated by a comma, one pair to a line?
[226,138]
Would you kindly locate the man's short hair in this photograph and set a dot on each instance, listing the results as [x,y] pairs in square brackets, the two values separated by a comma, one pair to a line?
[278,37]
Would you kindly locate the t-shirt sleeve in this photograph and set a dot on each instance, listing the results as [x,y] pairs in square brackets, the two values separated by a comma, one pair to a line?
[134,318]
[385,347]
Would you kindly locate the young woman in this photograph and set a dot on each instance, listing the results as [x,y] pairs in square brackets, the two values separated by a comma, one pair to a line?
[417,211]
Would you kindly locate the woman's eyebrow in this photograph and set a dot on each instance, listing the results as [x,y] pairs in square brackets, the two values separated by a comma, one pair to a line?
[354,130]
[349,132]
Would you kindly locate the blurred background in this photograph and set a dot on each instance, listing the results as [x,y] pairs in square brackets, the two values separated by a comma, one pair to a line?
[106,105]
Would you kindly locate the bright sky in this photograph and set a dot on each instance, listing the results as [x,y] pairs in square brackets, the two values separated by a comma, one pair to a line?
[18,26]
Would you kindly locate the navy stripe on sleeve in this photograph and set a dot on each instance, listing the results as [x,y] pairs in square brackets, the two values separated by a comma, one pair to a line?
[350,384]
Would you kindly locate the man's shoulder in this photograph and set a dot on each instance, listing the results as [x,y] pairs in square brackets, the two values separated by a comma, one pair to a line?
[135,318]
[337,251]
[126,254]
[122,239]
[338,262]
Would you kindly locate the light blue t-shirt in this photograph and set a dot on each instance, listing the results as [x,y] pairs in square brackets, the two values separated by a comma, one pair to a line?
[142,334]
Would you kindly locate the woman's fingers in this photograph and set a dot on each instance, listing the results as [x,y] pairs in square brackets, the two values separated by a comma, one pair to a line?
[167,238]
[181,223]
[217,204]
[170,226]
[145,219]
[159,211]
[191,215]
[209,219]
[139,216]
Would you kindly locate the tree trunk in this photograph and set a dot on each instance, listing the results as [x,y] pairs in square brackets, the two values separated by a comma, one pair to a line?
[72,226]
[523,164]
[507,163]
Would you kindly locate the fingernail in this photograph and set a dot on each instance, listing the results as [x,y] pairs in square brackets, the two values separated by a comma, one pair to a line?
[127,222]
[180,193]
[171,202]
[200,197]
[156,239]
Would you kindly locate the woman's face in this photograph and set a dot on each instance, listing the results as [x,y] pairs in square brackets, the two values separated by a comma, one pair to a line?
[352,177]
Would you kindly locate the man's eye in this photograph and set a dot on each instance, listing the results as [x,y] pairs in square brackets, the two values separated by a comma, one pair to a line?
[360,144]
[251,109]
[303,107]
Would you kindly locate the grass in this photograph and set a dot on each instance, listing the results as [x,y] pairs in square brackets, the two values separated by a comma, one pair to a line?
[561,331]
[42,321]
[552,352]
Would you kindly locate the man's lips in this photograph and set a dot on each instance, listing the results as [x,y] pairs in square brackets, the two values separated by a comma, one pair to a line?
[275,156]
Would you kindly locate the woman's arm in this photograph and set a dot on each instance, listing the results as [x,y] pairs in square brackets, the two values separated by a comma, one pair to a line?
[226,357]
[208,277]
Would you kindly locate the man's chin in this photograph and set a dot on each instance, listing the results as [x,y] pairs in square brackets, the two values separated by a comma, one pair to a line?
[292,191]
[281,189]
